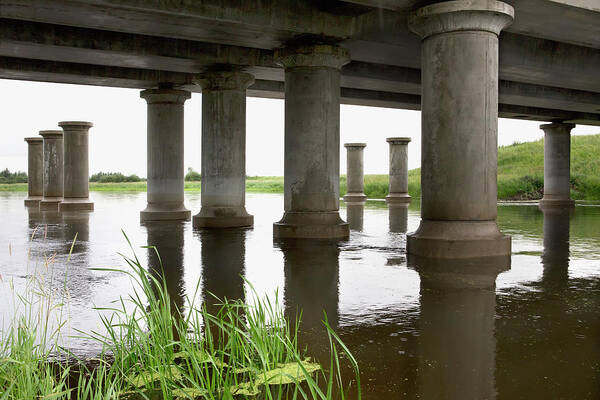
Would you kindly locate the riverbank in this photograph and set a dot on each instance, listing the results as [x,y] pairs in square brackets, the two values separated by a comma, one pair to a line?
[520,175]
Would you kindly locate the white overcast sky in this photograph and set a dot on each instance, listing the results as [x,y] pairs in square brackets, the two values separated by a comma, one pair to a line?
[118,138]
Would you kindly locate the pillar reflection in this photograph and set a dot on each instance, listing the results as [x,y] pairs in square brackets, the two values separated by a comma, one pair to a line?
[457,341]
[77,232]
[355,215]
[311,269]
[398,218]
[223,266]
[555,257]
[167,238]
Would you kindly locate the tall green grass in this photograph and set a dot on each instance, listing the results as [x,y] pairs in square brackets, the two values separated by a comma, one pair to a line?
[151,350]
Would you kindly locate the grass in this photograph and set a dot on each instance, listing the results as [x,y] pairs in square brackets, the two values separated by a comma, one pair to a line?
[520,175]
[152,350]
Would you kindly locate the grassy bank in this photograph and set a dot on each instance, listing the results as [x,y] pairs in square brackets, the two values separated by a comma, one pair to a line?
[520,175]
[152,350]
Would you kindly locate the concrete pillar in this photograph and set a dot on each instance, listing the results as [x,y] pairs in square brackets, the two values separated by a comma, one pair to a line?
[355,176]
[165,155]
[459,73]
[35,170]
[312,142]
[53,170]
[557,165]
[224,150]
[76,166]
[398,185]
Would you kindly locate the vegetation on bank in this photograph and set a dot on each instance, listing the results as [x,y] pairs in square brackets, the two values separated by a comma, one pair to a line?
[7,177]
[520,175]
[114,177]
[152,350]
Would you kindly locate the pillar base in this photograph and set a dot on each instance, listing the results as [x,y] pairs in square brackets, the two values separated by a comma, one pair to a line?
[311,225]
[154,212]
[554,202]
[223,217]
[33,201]
[76,205]
[458,239]
[397,198]
[50,203]
[355,198]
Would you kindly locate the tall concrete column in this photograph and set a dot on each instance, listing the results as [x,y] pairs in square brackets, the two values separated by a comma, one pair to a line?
[224,150]
[398,186]
[459,123]
[53,170]
[557,165]
[35,170]
[355,176]
[312,142]
[76,166]
[165,155]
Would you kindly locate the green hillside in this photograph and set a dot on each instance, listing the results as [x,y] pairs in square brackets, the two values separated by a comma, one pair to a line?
[521,170]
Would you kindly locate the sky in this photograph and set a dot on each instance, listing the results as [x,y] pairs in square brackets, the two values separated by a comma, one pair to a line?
[118,139]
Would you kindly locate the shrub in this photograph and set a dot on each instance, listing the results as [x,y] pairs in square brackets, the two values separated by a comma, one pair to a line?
[193,176]
[108,177]
[12,177]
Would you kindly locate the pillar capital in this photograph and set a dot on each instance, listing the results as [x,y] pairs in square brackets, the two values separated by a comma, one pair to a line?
[398,140]
[355,145]
[51,134]
[557,127]
[165,96]
[34,139]
[319,55]
[224,80]
[461,15]
[75,125]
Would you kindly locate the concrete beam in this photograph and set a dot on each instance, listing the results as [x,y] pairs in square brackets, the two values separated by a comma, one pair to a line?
[98,47]
[135,78]
[569,21]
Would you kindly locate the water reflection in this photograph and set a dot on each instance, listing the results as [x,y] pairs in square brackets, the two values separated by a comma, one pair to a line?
[167,238]
[457,344]
[555,257]
[354,215]
[398,218]
[311,269]
[223,265]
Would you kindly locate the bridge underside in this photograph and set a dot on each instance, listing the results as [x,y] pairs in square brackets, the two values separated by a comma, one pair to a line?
[549,57]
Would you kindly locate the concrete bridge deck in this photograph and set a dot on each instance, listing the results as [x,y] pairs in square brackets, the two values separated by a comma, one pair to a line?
[549,57]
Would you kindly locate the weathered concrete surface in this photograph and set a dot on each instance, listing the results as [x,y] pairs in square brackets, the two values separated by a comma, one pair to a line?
[312,143]
[557,165]
[224,150]
[53,170]
[165,155]
[459,130]
[76,166]
[35,170]
[355,175]
[398,184]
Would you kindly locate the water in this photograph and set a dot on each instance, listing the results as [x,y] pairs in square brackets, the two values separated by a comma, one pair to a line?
[418,331]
